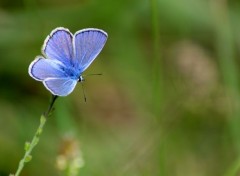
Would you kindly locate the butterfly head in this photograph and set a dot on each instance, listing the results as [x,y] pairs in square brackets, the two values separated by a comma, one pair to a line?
[81,79]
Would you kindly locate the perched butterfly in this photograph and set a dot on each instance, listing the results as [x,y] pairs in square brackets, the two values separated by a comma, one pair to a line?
[66,57]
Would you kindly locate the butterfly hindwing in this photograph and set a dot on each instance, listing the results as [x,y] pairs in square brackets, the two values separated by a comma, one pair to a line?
[42,68]
[60,86]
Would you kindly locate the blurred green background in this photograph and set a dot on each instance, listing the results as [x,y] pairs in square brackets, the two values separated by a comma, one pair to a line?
[168,102]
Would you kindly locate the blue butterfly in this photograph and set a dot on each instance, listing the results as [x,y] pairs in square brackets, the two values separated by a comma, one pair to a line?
[66,57]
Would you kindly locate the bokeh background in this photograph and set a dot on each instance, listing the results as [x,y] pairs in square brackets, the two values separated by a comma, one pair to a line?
[167,104]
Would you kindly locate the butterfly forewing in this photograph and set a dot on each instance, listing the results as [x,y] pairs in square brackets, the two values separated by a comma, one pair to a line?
[87,45]
[58,46]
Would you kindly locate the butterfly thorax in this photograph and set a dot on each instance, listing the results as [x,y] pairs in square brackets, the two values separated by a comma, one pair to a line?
[72,73]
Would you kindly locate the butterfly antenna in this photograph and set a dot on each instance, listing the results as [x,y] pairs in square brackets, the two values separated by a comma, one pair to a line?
[85,99]
[92,74]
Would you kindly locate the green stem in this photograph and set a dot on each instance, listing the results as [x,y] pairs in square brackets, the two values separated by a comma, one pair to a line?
[225,49]
[157,66]
[29,146]
[157,83]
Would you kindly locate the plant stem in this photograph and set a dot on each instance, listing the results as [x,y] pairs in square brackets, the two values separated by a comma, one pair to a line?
[225,45]
[47,113]
[29,146]
[157,82]
[157,64]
